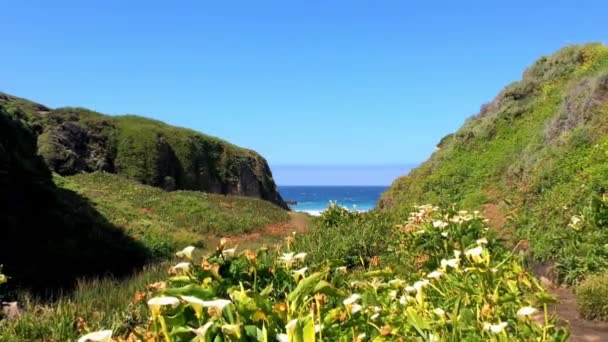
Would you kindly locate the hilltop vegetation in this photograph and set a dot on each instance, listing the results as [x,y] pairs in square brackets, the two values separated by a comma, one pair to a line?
[532,159]
[96,224]
[76,140]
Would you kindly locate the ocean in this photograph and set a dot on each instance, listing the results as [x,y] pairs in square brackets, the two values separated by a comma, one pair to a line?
[314,199]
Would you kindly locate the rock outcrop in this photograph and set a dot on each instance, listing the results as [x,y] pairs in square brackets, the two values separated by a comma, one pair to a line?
[75,140]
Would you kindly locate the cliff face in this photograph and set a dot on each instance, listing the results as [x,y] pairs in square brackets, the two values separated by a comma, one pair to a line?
[75,140]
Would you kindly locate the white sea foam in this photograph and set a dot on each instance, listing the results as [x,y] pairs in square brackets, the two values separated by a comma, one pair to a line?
[318,212]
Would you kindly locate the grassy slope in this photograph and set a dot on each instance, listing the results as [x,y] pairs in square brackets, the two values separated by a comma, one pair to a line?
[536,154]
[165,221]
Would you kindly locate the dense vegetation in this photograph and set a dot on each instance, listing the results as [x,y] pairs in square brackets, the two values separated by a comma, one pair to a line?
[51,235]
[533,160]
[75,140]
[93,224]
[455,283]
[162,221]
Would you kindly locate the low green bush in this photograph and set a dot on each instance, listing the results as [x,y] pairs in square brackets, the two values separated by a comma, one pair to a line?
[592,297]
[341,237]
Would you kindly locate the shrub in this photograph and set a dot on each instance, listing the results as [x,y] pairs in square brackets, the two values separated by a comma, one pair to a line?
[592,297]
[481,293]
[341,237]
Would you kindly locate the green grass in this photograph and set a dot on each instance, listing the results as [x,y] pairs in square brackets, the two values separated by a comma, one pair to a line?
[534,156]
[166,221]
[95,303]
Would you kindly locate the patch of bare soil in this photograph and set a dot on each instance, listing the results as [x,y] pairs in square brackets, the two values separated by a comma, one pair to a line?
[297,223]
[581,330]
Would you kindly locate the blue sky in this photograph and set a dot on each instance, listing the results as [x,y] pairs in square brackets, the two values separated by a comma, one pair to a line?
[303,82]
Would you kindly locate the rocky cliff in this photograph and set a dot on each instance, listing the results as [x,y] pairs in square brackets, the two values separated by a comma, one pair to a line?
[75,140]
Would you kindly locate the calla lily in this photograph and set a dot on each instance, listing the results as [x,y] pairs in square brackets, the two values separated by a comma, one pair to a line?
[341,269]
[201,332]
[282,338]
[410,289]
[196,304]
[361,336]
[457,254]
[301,272]
[287,258]
[526,311]
[157,303]
[355,308]
[374,316]
[182,266]
[475,254]
[444,234]
[2,279]
[439,312]
[453,263]
[229,252]
[291,324]
[482,241]
[300,256]
[440,224]
[495,328]
[420,284]
[352,299]
[218,304]
[434,275]
[186,252]
[98,336]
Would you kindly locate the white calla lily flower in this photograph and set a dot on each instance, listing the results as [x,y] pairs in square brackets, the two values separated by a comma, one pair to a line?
[526,311]
[420,284]
[186,252]
[352,299]
[97,336]
[495,328]
[300,256]
[201,332]
[291,324]
[475,254]
[439,312]
[157,303]
[301,272]
[217,304]
[355,308]
[182,266]
[435,274]
[229,253]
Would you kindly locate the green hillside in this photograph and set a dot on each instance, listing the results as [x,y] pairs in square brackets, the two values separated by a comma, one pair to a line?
[57,229]
[76,140]
[531,159]
[166,221]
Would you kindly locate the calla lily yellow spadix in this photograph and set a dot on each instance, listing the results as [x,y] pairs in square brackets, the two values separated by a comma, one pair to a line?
[97,336]
[196,304]
[186,252]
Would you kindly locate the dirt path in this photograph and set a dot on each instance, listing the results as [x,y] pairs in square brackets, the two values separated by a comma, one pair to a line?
[581,330]
[273,233]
